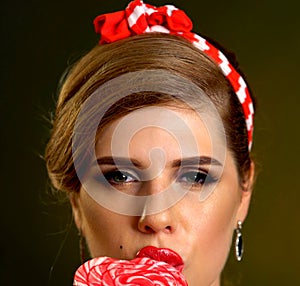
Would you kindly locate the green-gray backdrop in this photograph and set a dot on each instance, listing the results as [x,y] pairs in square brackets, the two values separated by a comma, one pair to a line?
[40,38]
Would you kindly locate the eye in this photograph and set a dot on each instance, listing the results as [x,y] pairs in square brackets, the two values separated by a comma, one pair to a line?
[196,178]
[119,177]
[121,180]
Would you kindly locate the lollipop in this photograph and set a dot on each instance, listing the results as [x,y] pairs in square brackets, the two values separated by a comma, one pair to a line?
[151,266]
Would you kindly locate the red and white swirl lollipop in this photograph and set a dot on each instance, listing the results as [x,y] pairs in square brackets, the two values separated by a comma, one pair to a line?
[152,266]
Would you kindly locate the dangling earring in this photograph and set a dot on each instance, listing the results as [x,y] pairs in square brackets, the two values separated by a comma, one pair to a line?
[81,247]
[239,245]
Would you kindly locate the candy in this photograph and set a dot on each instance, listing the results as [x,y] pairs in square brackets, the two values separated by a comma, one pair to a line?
[142,270]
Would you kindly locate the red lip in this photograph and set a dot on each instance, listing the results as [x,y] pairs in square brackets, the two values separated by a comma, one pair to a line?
[162,254]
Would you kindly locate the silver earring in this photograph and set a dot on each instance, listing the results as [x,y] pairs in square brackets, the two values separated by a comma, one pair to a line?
[239,244]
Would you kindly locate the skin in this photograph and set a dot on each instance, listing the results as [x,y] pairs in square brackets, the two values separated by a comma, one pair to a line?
[200,231]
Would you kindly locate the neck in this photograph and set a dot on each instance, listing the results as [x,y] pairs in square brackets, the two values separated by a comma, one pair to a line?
[216,282]
[196,283]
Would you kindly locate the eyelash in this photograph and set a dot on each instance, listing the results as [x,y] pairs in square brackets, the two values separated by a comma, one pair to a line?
[189,178]
[109,176]
[198,178]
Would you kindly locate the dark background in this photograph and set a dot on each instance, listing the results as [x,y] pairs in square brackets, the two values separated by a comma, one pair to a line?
[38,41]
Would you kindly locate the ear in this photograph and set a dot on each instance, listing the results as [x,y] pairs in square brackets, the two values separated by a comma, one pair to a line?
[246,190]
[74,200]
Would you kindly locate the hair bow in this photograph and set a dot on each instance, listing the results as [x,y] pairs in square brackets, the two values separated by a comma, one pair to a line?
[139,18]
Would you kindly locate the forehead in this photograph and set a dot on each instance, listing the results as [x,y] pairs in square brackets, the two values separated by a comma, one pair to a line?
[177,131]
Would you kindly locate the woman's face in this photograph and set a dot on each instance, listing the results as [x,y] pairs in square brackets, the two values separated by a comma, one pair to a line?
[199,230]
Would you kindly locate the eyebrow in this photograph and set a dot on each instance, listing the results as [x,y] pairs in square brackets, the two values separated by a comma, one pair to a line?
[202,160]
[189,161]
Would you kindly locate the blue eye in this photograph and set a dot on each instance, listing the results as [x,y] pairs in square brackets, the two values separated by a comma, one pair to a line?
[121,180]
[119,177]
[195,178]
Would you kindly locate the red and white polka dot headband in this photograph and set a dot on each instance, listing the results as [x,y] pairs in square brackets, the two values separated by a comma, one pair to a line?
[139,18]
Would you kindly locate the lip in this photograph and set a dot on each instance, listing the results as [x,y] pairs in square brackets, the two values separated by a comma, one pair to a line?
[162,254]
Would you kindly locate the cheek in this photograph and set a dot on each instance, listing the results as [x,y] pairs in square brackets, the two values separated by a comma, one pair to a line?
[102,229]
[220,227]
[222,212]
[212,236]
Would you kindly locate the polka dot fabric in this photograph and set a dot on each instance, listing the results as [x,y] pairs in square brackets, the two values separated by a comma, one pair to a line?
[139,18]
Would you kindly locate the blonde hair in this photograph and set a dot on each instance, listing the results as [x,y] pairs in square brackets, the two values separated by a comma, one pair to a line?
[142,52]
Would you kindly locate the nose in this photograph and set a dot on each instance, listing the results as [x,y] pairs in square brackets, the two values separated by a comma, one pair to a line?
[166,220]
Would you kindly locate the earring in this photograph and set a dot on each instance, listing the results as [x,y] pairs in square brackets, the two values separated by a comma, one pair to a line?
[239,245]
[81,247]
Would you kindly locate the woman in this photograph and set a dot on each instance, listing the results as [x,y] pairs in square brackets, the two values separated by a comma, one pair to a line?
[151,141]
